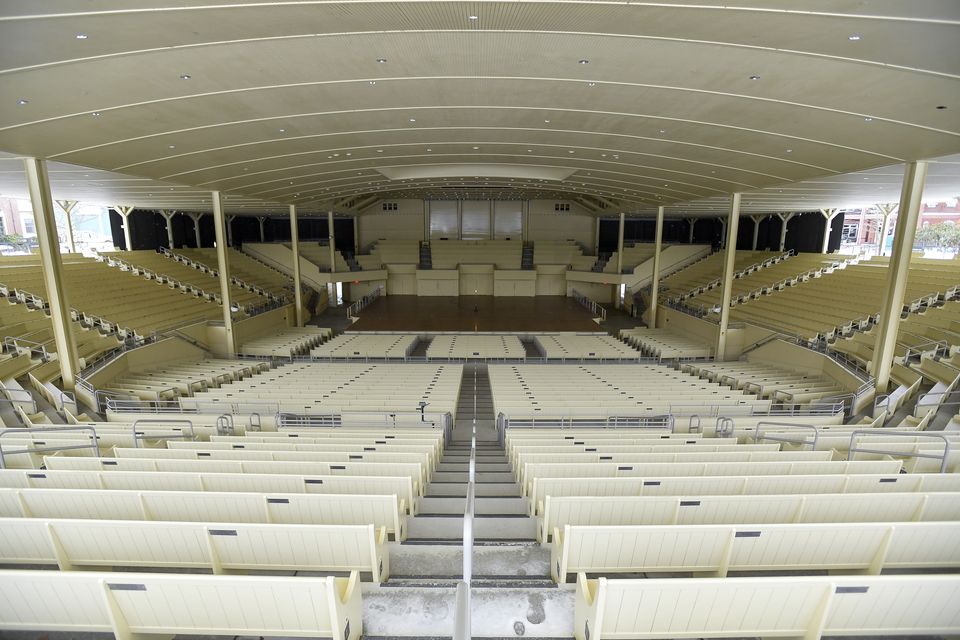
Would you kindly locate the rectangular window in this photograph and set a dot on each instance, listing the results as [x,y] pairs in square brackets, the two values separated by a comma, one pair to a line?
[561,206]
[28,226]
[390,206]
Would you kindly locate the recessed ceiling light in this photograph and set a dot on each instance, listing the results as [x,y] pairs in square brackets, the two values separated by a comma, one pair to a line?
[413,119]
[184,76]
[789,150]
[349,154]
[754,77]
[373,82]
[476,148]
[95,114]
[547,121]
[283,130]
[173,146]
[432,149]
[570,151]
[22,102]
[529,150]
[868,119]
[473,17]
[853,38]
[583,61]
[381,60]
[81,36]
[379,150]
[663,130]
[591,84]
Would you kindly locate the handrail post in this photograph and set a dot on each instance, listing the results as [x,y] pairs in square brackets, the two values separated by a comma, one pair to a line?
[944,458]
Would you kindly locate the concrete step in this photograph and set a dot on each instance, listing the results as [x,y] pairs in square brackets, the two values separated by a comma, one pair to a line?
[485,505]
[490,562]
[480,477]
[492,489]
[486,467]
[484,527]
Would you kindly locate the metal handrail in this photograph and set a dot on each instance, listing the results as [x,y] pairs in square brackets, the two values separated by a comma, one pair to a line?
[690,426]
[910,454]
[724,427]
[590,304]
[139,436]
[758,435]
[30,399]
[94,444]
[354,309]
[225,425]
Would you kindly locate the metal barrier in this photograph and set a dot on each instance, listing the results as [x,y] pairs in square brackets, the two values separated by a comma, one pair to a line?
[758,434]
[854,449]
[592,306]
[724,427]
[138,435]
[354,309]
[10,393]
[690,426]
[225,425]
[94,445]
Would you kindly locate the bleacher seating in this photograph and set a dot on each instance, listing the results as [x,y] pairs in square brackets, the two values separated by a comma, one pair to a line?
[243,268]
[503,254]
[633,256]
[768,381]
[592,346]
[387,252]
[665,344]
[465,346]
[564,252]
[320,256]
[703,273]
[285,343]
[367,345]
[183,378]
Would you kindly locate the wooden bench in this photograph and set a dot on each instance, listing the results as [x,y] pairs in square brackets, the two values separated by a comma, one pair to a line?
[137,605]
[195,506]
[794,607]
[222,548]
[763,509]
[716,550]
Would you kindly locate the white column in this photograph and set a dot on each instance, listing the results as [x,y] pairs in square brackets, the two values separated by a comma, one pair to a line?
[733,220]
[125,216]
[68,206]
[263,232]
[784,219]
[332,239]
[525,221]
[886,210]
[723,233]
[223,266]
[230,230]
[52,267]
[756,230]
[356,236]
[596,236]
[655,285]
[196,226]
[914,178]
[168,218]
[828,216]
[295,245]
[620,245]
[692,222]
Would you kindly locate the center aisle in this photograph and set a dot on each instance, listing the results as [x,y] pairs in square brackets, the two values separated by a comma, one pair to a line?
[512,592]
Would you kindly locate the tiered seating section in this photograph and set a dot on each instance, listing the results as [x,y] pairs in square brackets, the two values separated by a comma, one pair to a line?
[665,344]
[285,343]
[367,345]
[784,385]
[593,346]
[565,252]
[386,252]
[708,272]
[320,256]
[184,378]
[449,254]
[633,256]
[243,268]
[476,346]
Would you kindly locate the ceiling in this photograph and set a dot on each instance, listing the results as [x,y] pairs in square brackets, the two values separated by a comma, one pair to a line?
[620,106]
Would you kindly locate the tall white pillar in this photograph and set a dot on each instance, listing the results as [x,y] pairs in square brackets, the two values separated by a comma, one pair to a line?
[223,266]
[733,221]
[356,236]
[230,230]
[886,210]
[332,239]
[914,178]
[828,216]
[125,216]
[620,244]
[295,246]
[655,285]
[68,206]
[756,230]
[263,232]
[195,216]
[52,267]
[784,219]
[168,218]
[692,222]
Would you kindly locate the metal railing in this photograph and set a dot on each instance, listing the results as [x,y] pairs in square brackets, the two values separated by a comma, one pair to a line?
[759,436]
[591,306]
[139,435]
[354,309]
[93,444]
[855,449]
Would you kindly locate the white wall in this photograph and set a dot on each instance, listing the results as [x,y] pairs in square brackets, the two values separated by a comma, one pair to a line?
[406,224]
[476,280]
[551,280]
[402,280]
[544,223]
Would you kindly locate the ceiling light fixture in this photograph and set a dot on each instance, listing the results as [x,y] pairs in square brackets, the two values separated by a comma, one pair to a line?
[868,119]
[81,36]
[583,61]
[591,84]
[381,60]
[853,38]
[754,77]
[373,82]
[283,130]
[95,114]
[476,148]
[789,150]
[413,119]
[473,17]
[184,76]
[173,146]
[22,102]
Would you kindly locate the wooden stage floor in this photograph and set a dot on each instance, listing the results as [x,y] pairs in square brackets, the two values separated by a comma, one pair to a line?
[475,313]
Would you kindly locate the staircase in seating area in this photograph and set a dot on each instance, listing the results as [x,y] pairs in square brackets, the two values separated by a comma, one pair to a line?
[512,592]
[601,262]
[351,262]
[426,258]
[526,258]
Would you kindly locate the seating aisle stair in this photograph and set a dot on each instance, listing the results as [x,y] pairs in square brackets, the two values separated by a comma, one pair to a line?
[512,591]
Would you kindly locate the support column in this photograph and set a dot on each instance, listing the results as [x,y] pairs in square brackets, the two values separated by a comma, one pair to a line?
[168,218]
[914,178]
[784,219]
[125,216]
[620,245]
[46,223]
[295,246]
[596,236]
[733,220]
[263,232]
[655,285]
[230,230]
[756,229]
[68,206]
[332,239]
[196,225]
[723,233]
[828,215]
[692,222]
[356,236]
[223,266]
[886,210]
[525,221]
